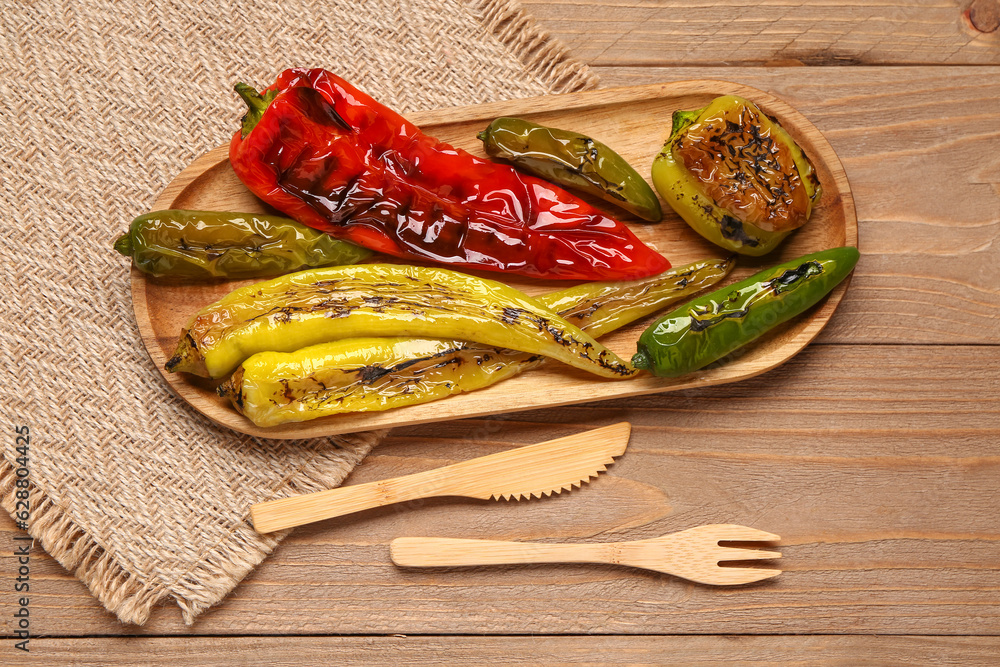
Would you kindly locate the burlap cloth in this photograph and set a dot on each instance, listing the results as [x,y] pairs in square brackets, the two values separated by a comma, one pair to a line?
[103,103]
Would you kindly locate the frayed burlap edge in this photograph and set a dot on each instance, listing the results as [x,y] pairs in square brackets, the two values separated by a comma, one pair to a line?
[129,596]
[543,56]
[117,589]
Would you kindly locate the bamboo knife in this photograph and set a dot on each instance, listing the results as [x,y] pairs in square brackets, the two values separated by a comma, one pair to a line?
[534,470]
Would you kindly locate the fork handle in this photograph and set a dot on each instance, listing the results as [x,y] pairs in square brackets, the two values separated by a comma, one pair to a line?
[446,551]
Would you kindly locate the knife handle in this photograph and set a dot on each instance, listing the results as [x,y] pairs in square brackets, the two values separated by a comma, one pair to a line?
[298,510]
[447,551]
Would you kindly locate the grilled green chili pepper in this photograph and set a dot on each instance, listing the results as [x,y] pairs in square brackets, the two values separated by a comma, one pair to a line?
[572,160]
[374,374]
[322,305]
[736,176]
[210,244]
[712,326]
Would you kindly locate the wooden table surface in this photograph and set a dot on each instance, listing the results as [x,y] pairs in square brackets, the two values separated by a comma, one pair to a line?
[875,453]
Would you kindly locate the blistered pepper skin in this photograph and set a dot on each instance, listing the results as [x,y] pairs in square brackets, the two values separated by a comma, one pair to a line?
[363,375]
[572,160]
[717,324]
[376,300]
[208,245]
[366,375]
[326,154]
[736,176]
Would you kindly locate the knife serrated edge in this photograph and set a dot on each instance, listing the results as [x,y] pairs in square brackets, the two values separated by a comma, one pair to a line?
[537,470]
[546,492]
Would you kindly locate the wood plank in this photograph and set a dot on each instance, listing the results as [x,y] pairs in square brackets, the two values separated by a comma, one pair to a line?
[876,466]
[689,650]
[921,147]
[737,32]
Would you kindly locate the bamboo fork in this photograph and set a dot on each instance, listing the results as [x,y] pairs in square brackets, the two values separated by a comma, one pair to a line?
[692,554]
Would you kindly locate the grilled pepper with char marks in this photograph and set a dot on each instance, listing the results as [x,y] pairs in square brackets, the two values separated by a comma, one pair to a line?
[712,326]
[208,244]
[322,305]
[363,375]
[374,374]
[736,176]
[572,160]
[326,154]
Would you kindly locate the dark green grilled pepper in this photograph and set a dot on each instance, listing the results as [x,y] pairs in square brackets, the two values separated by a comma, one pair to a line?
[736,176]
[572,160]
[712,326]
[209,244]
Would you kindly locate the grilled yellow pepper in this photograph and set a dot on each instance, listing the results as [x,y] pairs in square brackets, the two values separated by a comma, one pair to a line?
[322,305]
[373,374]
[363,375]
[736,176]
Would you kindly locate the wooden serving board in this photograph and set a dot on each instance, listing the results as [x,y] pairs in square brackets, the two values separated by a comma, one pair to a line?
[633,121]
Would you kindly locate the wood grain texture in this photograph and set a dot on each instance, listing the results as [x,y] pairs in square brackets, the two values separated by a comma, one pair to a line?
[163,308]
[736,32]
[921,147]
[877,466]
[726,650]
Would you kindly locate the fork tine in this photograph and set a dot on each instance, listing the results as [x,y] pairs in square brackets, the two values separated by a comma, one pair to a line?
[733,553]
[762,536]
[736,533]
[732,576]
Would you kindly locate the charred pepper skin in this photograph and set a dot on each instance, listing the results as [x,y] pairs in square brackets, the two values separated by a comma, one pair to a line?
[712,326]
[572,160]
[736,176]
[375,374]
[331,157]
[363,375]
[209,245]
[375,300]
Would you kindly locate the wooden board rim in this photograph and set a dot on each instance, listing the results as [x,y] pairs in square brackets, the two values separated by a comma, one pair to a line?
[821,152]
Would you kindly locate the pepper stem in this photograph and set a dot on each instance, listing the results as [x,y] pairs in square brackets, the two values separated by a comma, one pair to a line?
[256,104]
[681,119]
[641,360]
[123,244]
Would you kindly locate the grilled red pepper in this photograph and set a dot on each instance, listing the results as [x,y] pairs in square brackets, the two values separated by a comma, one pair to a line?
[326,154]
